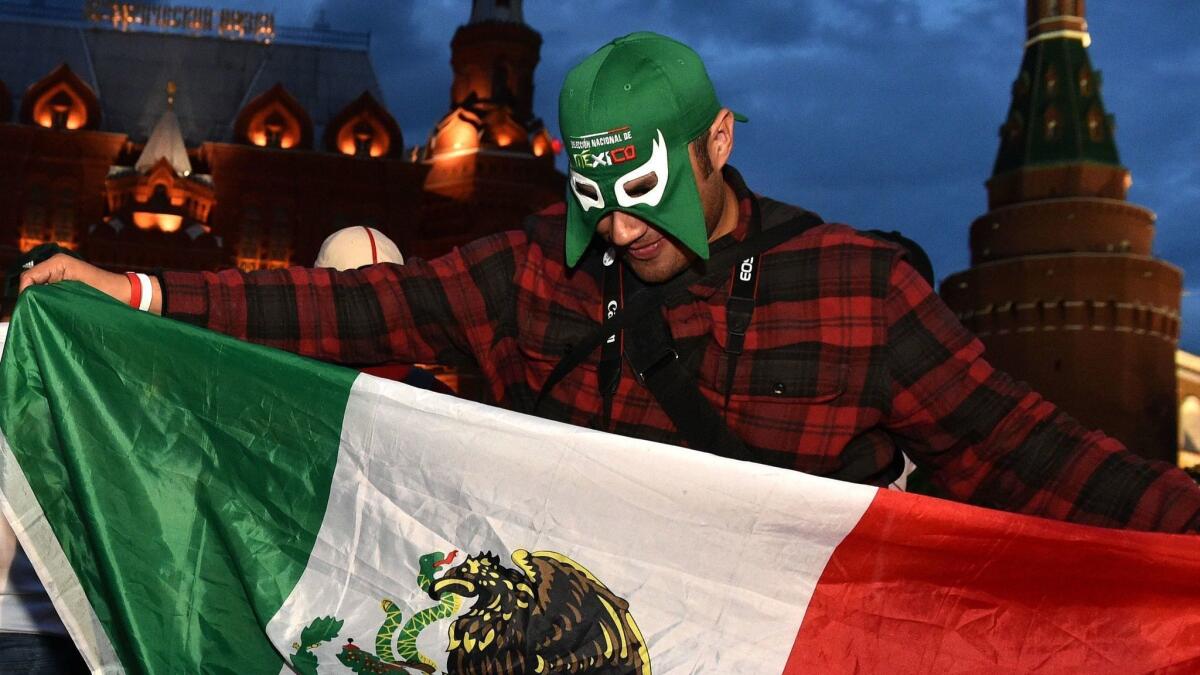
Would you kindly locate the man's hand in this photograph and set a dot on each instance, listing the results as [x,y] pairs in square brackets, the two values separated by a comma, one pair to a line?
[62,267]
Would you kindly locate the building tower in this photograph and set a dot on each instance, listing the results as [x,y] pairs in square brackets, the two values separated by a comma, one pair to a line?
[1062,286]
[491,159]
[158,208]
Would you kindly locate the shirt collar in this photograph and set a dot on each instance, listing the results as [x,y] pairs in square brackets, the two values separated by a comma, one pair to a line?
[747,223]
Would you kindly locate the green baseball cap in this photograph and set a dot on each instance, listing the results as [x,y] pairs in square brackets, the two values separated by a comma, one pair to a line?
[629,111]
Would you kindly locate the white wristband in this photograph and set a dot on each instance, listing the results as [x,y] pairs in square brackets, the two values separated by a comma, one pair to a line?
[147,292]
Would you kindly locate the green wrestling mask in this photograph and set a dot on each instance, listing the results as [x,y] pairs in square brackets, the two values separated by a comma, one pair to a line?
[627,114]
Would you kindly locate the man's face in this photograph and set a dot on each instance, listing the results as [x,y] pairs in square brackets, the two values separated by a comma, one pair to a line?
[653,255]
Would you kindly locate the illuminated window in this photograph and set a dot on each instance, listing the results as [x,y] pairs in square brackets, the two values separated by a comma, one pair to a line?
[1189,424]
[60,101]
[250,239]
[274,125]
[1053,126]
[456,134]
[1085,81]
[1095,124]
[363,129]
[363,133]
[60,107]
[279,253]
[274,120]
[1051,80]
[62,216]
[33,220]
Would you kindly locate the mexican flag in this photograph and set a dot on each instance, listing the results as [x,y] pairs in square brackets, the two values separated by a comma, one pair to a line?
[198,504]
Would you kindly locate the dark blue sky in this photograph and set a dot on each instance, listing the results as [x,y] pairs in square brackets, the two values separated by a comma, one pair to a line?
[878,113]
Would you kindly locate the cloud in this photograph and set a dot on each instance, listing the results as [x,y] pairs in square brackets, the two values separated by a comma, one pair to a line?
[880,114]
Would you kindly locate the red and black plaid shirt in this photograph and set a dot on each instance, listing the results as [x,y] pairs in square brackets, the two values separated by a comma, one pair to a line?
[850,355]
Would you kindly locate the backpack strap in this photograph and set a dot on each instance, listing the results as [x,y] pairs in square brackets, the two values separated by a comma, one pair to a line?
[650,348]
[651,353]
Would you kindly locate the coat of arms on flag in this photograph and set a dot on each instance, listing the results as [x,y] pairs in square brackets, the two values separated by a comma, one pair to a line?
[546,614]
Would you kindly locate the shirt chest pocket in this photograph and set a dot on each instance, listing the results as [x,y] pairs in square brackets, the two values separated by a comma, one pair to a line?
[788,401]
[804,372]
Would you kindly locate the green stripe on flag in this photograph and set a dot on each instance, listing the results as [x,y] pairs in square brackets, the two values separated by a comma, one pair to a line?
[186,504]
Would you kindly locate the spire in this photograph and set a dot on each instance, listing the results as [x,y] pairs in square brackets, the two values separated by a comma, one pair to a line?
[1057,116]
[507,11]
[166,141]
[1049,19]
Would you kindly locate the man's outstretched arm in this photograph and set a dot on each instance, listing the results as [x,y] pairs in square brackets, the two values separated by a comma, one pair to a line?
[443,310]
[991,441]
[62,267]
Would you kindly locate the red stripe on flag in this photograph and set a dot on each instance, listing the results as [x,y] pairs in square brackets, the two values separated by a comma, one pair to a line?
[928,586]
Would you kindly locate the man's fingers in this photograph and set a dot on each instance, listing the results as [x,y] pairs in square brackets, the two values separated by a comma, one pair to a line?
[52,270]
[42,273]
[62,267]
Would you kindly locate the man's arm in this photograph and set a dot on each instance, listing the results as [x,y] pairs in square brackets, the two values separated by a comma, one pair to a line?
[443,310]
[62,267]
[991,441]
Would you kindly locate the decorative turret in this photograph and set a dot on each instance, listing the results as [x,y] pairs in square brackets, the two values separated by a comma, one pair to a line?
[508,11]
[493,57]
[489,154]
[1063,289]
[166,142]
[158,204]
[1057,116]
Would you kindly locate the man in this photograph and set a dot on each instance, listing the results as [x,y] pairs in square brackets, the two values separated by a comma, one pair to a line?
[847,355]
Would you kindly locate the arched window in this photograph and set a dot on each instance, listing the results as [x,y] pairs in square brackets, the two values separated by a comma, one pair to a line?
[363,129]
[1053,127]
[61,100]
[33,217]
[1189,424]
[62,216]
[279,252]
[250,239]
[1051,80]
[274,119]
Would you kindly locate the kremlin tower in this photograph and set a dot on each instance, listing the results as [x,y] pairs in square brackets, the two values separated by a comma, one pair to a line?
[491,160]
[1062,287]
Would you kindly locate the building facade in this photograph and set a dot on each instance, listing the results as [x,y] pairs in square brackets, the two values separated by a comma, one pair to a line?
[145,136]
[1063,289]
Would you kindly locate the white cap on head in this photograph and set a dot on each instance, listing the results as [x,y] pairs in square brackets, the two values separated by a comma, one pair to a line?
[352,247]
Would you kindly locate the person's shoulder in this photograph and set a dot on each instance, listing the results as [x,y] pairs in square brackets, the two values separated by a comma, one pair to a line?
[816,232]
[547,228]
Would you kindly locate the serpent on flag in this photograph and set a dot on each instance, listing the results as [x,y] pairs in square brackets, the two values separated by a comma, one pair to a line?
[198,504]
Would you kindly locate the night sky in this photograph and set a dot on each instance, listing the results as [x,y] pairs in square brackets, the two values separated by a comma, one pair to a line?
[878,113]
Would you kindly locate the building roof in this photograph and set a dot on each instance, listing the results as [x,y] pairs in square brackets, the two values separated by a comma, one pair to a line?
[165,142]
[1057,115]
[216,76]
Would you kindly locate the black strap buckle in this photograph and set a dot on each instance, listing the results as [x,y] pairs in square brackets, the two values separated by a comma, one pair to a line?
[667,358]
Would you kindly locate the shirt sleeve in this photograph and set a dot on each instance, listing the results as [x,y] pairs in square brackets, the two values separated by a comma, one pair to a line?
[989,440]
[446,310]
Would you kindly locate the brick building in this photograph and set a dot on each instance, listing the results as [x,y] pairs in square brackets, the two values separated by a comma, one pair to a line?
[1063,288]
[147,136]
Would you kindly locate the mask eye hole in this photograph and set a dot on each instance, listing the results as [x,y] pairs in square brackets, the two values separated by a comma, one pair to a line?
[639,187]
[585,189]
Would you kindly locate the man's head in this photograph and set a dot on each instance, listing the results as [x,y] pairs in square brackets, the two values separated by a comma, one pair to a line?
[352,247]
[646,138]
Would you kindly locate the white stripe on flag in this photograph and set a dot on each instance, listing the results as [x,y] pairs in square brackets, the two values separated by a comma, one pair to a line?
[717,559]
[21,509]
